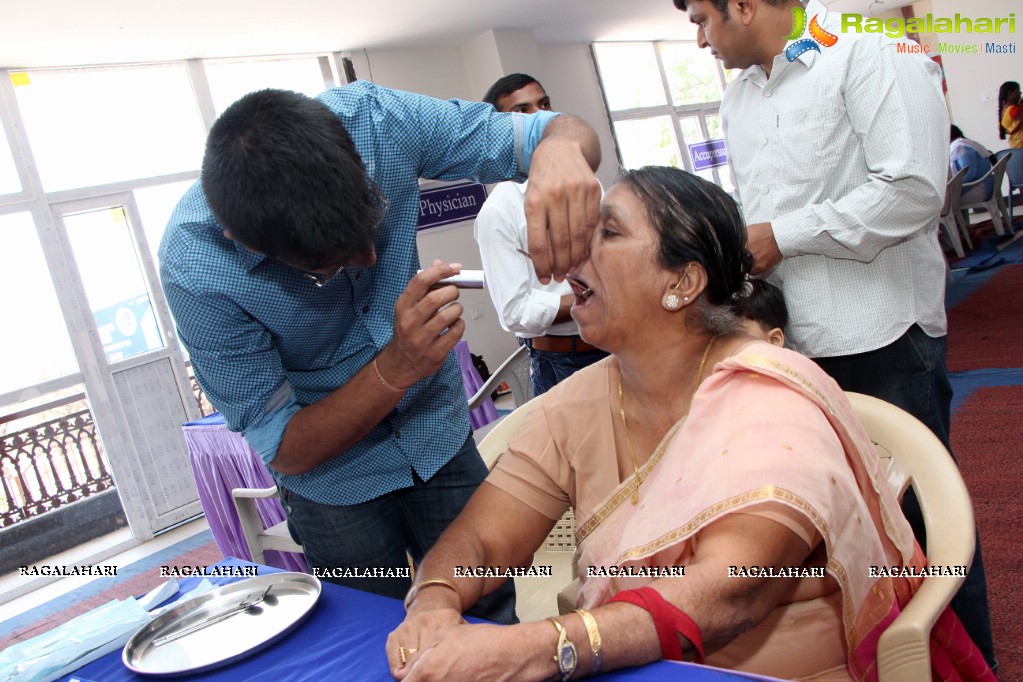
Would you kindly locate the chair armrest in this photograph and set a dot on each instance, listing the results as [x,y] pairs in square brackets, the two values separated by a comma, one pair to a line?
[253,493]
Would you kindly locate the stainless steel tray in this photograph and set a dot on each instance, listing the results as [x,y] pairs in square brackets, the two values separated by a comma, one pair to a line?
[163,648]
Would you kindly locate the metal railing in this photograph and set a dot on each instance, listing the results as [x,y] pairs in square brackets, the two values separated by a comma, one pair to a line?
[54,457]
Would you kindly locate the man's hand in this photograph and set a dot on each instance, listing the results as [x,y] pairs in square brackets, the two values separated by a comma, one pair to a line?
[563,197]
[427,325]
[416,634]
[764,248]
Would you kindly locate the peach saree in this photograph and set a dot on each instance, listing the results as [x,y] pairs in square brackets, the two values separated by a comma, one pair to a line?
[769,433]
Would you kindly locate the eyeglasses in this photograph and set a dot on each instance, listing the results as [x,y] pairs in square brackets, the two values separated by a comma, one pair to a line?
[320,279]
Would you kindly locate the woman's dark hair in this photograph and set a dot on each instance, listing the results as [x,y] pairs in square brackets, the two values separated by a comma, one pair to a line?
[1007,88]
[763,303]
[696,221]
[282,174]
[955,133]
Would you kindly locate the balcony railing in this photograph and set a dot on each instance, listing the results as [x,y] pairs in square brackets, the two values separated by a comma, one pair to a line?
[54,457]
[54,462]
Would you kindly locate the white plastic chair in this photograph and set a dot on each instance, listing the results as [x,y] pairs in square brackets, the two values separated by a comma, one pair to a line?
[915,457]
[257,538]
[514,370]
[994,204]
[536,599]
[948,220]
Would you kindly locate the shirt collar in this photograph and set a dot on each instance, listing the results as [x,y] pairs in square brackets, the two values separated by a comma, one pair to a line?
[781,63]
[249,259]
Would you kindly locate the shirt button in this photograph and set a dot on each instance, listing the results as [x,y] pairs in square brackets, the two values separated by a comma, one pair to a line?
[397,434]
[768,93]
[764,141]
[365,309]
[765,190]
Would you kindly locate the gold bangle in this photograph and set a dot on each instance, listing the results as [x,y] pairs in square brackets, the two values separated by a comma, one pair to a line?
[384,381]
[426,583]
[596,648]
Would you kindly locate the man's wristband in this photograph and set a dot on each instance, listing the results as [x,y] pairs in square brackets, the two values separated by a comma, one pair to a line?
[385,382]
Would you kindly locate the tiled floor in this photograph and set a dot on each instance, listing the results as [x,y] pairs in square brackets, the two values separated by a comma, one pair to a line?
[35,593]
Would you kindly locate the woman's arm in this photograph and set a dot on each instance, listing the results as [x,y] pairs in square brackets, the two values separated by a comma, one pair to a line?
[723,607]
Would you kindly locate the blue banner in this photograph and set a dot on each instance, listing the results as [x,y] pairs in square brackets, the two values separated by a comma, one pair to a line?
[450,204]
[709,154]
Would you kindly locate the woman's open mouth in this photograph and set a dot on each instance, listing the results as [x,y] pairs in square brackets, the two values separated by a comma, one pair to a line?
[581,290]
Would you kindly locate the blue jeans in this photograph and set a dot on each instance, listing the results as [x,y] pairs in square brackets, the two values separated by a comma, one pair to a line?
[547,368]
[378,533]
[910,373]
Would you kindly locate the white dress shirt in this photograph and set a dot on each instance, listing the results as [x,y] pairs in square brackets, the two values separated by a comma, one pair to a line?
[524,306]
[845,153]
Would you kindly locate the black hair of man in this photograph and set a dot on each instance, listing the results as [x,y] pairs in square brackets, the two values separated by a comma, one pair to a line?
[722,5]
[283,176]
[763,303]
[506,85]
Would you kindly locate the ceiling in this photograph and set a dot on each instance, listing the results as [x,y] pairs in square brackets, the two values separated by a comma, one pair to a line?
[73,32]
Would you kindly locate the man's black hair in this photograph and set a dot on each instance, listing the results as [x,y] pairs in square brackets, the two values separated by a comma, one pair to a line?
[282,175]
[506,85]
[722,5]
[763,303]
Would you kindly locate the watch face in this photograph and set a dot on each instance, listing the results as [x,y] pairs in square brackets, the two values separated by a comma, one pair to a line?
[567,658]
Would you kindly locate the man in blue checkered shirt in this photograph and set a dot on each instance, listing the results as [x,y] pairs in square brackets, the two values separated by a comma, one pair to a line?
[290,268]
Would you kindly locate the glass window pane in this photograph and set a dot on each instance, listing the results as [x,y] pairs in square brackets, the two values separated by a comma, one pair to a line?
[691,132]
[647,142]
[629,75]
[155,206]
[230,80]
[113,281]
[692,73]
[128,122]
[34,346]
[9,181]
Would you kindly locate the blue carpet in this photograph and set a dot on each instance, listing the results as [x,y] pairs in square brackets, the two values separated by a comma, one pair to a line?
[164,557]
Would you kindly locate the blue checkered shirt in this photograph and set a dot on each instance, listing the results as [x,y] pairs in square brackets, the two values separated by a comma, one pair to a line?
[264,341]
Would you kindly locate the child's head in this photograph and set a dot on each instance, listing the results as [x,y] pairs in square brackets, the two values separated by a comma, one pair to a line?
[763,312]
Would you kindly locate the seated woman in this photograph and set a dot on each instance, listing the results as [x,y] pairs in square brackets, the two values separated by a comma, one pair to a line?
[976,159]
[692,446]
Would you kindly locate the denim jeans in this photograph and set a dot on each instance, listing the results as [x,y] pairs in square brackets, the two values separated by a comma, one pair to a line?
[547,368]
[911,373]
[378,533]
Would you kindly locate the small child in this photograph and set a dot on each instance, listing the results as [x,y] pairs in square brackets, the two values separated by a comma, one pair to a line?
[763,311]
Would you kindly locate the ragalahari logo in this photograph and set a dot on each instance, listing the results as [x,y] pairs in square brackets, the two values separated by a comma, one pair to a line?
[818,36]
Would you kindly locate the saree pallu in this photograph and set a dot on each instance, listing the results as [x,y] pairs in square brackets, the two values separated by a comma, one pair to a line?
[768,427]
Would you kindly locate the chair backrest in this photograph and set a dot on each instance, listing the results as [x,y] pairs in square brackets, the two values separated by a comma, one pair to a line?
[953,190]
[998,172]
[495,442]
[514,370]
[1014,167]
[913,456]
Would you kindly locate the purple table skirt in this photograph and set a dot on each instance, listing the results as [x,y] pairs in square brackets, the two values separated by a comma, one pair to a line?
[222,461]
[472,381]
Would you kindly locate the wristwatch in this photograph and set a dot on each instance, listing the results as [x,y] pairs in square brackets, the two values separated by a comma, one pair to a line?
[565,654]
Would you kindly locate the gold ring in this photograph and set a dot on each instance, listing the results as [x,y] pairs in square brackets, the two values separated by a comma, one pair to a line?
[404,653]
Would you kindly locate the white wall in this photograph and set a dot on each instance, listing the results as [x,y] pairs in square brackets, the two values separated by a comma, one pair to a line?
[973,79]
[465,72]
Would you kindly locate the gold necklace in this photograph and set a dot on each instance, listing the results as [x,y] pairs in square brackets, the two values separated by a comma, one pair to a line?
[621,412]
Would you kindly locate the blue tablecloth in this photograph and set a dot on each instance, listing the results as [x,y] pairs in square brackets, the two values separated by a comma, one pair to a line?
[344,639]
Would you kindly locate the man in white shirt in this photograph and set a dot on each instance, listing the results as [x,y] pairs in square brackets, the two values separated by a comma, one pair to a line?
[538,314]
[838,143]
